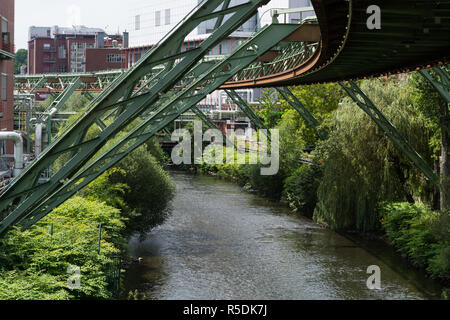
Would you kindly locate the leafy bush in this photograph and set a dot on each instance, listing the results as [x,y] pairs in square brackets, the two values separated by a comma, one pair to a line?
[34,262]
[150,189]
[300,189]
[421,234]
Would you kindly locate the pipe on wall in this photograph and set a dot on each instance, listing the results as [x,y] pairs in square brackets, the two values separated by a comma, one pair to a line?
[18,149]
[38,140]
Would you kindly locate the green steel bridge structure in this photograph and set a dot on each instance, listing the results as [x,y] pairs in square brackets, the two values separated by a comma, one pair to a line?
[338,46]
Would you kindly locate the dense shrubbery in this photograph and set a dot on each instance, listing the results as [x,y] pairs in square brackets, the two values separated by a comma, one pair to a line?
[132,197]
[300,189]
[420,234]
[361,166]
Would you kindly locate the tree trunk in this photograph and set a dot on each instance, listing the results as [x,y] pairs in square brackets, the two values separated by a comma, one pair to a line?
[444,159]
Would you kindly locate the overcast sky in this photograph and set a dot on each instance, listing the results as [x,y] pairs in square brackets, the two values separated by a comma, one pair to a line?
[110,15]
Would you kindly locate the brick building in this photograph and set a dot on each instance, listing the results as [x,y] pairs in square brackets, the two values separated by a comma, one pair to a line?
[80,49]
[6,71]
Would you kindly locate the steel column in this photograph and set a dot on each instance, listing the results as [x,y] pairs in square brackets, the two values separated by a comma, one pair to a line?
[162,115]
[73,143]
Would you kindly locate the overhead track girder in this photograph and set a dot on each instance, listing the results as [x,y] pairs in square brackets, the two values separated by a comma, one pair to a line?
[25,193]
[90,82]
[59,102]
[363,101]
[170,107]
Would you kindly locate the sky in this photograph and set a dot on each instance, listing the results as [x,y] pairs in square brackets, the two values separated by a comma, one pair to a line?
[110,15]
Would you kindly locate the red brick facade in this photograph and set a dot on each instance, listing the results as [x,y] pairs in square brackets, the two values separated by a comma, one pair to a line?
[62,54]
[104,59]
[7,69]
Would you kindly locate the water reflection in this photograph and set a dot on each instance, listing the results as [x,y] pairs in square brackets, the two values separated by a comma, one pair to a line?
[222,243]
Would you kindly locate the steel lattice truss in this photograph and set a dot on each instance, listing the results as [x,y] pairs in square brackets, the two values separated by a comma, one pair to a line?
[164,84]
[89,82]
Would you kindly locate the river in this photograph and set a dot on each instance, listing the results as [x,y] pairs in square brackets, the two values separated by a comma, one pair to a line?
[222,243]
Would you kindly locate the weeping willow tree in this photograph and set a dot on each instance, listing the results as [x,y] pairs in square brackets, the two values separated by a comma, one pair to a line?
[362,167]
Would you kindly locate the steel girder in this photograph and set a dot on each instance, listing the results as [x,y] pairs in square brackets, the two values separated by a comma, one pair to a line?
[94,82]
[295,103]
[62,98]
[29,195]
[171,106]
[443,85]
[25,193]
[363,101]
[242,104]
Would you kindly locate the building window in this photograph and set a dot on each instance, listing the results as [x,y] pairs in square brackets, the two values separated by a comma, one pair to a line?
[62,52]
[3,86]
[157,18]
[4,25]
[137,22]
[46,46]
[5,34]
[115,58]
[167,16]
[61,68]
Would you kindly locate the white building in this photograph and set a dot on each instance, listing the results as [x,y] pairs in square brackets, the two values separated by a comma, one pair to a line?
[151,20]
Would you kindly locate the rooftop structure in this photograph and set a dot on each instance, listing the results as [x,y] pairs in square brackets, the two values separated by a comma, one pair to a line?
[56,49]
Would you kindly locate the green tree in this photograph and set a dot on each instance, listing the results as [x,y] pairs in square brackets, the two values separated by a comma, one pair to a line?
[21,59]
[321,100]
[270,110]
[436,110]
[34,263]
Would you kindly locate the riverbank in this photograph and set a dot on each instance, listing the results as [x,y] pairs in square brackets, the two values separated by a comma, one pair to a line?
[362,238]
[222,243]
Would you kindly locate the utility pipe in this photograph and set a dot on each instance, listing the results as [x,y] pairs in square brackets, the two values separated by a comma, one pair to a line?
[18,150]
[38,140]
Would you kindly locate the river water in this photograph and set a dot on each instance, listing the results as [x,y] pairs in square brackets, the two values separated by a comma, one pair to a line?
[222,243]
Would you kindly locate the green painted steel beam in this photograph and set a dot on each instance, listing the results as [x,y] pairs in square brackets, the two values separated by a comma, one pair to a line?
[295,103]
[162,114]
[363,101]
[62,98]
[5,55]
[24,194]
[36,86]
[442,85]
[245,108]
[58,82]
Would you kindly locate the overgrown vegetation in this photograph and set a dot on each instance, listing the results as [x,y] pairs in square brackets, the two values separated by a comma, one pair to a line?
[420,234]
[131,197]
[357,179]
[21,59]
